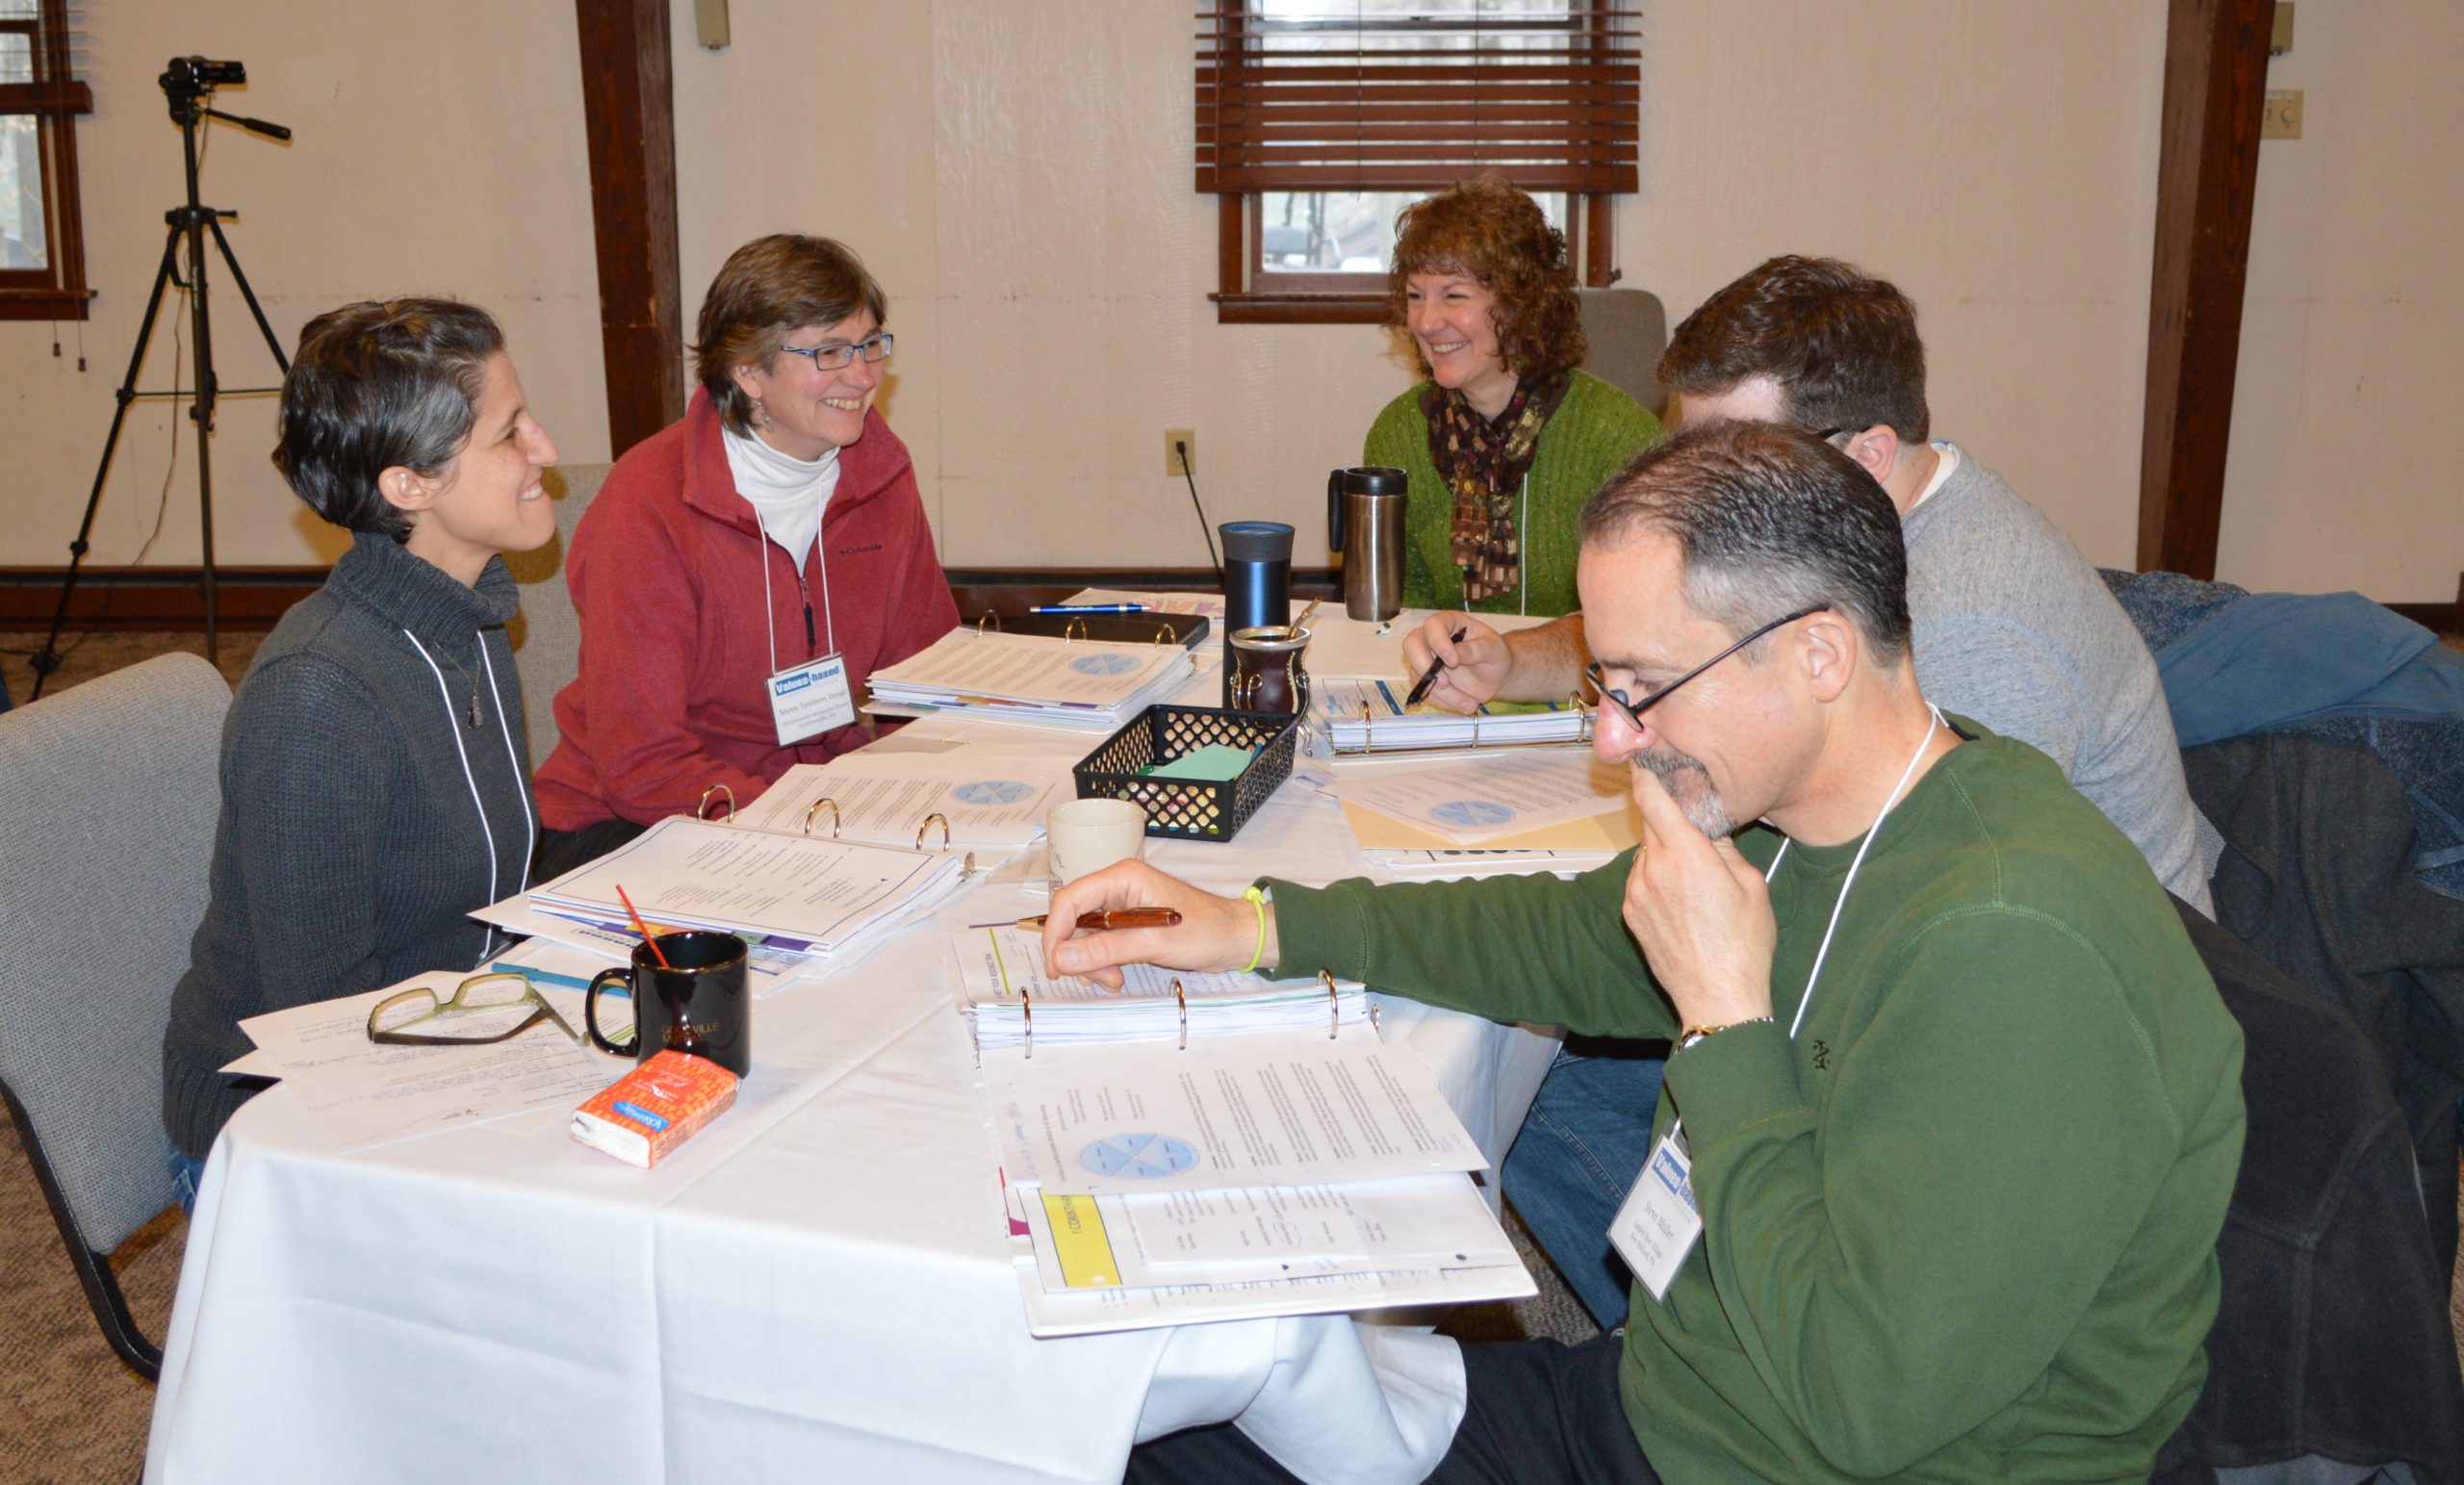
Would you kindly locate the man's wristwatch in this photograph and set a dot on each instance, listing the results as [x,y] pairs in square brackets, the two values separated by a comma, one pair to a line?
[1697,1033]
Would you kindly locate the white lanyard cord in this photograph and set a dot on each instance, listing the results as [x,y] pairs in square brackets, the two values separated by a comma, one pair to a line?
[1823,951]
[529,818]
[770,615]
[453,725]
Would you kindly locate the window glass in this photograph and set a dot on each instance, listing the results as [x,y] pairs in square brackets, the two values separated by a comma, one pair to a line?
[17,56]
[1348,231]
[23,242]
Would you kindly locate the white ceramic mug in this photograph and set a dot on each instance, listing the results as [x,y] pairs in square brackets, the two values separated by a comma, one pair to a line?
[1085,835]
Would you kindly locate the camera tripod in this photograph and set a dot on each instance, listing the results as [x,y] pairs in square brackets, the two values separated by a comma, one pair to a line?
[189,82]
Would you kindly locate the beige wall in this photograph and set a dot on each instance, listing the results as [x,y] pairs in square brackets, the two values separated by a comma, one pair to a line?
[2349,405]
[438,149]
[1017,173]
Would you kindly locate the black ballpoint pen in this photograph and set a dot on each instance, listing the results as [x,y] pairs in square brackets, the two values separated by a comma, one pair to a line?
[1428,676]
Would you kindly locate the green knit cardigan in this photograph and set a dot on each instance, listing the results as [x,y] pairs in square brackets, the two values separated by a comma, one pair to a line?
[1595,429]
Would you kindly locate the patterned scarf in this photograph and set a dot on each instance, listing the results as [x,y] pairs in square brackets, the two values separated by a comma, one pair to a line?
[1484,460]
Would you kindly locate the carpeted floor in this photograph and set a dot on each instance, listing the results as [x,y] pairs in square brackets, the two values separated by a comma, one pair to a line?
[70,1412]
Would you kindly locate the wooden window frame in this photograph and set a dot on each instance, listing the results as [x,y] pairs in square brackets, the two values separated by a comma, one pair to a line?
[55,99]
[1247,292]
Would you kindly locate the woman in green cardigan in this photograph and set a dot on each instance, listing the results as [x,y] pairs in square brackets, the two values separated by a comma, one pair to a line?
[1506,437]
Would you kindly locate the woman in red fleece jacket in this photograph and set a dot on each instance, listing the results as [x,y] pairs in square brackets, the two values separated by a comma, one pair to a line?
[735,553]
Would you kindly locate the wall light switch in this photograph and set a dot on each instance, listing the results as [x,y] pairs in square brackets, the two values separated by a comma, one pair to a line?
[2281,117]
[2280,30]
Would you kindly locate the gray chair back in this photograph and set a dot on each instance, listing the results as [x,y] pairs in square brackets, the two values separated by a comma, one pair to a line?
[547,638]
[109,797]
[1628,329]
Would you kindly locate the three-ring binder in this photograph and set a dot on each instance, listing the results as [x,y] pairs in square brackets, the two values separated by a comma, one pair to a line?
[1586,723]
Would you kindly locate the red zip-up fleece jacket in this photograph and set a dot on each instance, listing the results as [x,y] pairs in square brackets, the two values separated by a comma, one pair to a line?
[665,569]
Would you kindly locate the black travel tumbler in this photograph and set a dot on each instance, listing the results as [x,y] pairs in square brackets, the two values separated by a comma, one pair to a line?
[1257,580]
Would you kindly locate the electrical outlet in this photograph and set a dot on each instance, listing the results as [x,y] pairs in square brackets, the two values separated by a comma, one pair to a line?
[1176,440]
[2281,117]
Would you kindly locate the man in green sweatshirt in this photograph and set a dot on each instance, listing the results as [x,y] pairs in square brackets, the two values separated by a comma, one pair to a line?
[1961,1106]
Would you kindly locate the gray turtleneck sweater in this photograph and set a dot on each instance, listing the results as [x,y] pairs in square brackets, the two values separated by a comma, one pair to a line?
[350,844]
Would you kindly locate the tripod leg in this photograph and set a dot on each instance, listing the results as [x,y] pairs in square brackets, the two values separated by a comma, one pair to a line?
[201,347]
[47,660]
[232,261]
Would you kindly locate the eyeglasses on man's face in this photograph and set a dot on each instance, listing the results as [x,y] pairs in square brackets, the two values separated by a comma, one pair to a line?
[1632,710]
[838,355]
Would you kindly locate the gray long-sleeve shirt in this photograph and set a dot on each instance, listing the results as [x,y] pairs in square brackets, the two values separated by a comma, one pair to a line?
[2015,629]
[363,816]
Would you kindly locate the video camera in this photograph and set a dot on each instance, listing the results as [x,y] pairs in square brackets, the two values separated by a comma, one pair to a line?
[189,78]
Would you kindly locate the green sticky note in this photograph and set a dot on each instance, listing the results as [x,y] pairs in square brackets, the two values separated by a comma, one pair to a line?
[1216,761]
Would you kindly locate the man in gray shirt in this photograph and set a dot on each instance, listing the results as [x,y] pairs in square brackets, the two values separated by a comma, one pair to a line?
[2012,628]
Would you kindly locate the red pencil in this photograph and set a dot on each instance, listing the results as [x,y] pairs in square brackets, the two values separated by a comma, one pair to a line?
[644,929]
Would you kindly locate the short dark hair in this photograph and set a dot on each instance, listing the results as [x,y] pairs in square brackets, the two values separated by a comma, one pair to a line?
[1768,519]
[1842,347]
[1488,229]
[373,385]
[766,287]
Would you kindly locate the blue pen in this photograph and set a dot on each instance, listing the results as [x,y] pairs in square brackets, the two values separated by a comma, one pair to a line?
[1091,609]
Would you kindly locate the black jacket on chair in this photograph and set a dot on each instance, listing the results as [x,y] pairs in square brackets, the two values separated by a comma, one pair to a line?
[2331,1337]
[2317,877]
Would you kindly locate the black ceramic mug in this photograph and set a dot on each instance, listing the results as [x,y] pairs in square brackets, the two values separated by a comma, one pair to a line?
[698,1003]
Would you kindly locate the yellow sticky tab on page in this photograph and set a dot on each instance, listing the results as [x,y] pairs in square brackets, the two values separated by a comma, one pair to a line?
[1079,1244]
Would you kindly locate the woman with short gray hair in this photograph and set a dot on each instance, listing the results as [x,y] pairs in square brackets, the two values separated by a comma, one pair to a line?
[743,570]
[372,784]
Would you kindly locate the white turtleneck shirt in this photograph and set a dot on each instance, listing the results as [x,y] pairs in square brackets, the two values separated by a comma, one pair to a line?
[787,493]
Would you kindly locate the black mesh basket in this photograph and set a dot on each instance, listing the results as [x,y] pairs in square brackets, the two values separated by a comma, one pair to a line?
[1191,808]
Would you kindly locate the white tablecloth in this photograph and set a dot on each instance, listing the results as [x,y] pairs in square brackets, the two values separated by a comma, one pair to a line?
[818,1287]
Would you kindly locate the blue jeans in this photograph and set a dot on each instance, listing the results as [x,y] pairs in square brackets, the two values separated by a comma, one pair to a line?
[1582,1147]
[186,1173]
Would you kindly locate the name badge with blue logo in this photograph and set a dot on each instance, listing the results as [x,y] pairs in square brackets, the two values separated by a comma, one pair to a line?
[1659,1225]
[811,699]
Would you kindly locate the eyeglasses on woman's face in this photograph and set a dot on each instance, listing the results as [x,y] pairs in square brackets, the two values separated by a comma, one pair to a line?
[838,355]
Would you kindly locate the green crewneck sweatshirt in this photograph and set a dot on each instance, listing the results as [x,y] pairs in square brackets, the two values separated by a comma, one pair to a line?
[1963,1228]
[1595,430]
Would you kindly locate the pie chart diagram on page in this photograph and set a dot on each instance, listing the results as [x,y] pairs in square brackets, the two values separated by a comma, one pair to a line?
[991,791]
[1138,1157]
[1472,814]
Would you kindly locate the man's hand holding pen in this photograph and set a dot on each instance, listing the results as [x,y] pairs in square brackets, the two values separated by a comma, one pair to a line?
[1471,659]
[1214,933]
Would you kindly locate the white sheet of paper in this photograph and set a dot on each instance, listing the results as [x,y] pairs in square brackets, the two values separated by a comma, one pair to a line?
[1342,647]
[828,893]
[1266,1232]
[989,799]
[767,969]
[1237,1111]
[1475,799]
[1002,978]
[1029,670]
[361,1093]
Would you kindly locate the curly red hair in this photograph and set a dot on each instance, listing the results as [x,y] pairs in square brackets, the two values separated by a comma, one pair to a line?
[1487,228]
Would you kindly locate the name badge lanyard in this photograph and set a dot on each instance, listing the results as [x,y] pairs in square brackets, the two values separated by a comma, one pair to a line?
[1658,1223]
[812,698]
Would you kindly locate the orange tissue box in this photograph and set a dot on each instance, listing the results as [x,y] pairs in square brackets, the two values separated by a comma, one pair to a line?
[642,1116]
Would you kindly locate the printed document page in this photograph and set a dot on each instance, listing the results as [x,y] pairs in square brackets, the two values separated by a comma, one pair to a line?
[989,799]
[1476,798]
[964,665]
[1264,1232]
[825,893]
[363,1093]
[1281,1109]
